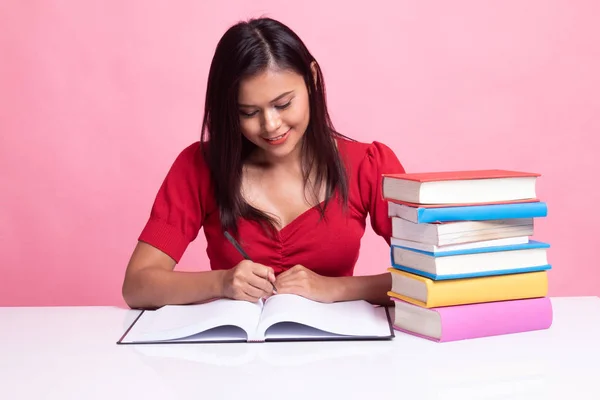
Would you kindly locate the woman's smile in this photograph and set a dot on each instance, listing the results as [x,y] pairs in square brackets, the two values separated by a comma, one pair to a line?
[276,140]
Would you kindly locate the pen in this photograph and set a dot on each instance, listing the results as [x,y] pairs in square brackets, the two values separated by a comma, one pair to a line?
[243,253]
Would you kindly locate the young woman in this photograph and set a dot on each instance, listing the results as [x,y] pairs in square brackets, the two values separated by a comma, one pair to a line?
[270,170]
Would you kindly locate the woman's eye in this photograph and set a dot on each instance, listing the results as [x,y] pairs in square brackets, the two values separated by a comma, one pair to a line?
[248,115]
[284,106]
[253,113]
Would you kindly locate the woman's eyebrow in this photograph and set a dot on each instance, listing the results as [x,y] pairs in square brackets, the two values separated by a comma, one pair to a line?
[272,101]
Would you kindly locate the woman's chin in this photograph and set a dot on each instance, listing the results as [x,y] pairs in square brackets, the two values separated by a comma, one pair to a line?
[281,151]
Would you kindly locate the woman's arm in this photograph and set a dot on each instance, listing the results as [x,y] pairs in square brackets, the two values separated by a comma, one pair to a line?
[150,281]
[307,283]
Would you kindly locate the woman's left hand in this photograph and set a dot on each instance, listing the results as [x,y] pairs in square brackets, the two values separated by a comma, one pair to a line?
[302,281]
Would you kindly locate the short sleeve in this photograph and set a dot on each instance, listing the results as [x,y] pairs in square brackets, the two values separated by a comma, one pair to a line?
[379,160]
[178,210]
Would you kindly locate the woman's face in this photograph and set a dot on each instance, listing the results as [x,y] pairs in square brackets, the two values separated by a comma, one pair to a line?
[274,111]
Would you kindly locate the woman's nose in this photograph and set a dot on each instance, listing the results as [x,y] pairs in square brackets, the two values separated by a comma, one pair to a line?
[272,121]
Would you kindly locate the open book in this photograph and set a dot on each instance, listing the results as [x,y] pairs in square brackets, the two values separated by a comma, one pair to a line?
[281,317]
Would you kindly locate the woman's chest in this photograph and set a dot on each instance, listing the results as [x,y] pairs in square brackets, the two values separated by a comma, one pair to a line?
[328,246]
[283,195]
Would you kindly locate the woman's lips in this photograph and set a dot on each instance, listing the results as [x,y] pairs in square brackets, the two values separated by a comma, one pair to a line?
[278,139]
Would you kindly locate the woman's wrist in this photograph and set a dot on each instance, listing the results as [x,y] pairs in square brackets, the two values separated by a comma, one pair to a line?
[219,283]
[338,288]
[372,288]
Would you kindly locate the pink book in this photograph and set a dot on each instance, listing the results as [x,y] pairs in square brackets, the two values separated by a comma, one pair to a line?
[469,321]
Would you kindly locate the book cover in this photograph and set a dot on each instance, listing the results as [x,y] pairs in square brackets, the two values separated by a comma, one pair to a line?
[412,287]
[464,204]
[435,249]
[495,272]
[480,320]
[462,175]
[474,262]
[420,214]
[460,187]
[457,232]
[531,244]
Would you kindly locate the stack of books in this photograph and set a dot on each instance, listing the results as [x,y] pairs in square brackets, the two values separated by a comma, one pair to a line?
[463,262]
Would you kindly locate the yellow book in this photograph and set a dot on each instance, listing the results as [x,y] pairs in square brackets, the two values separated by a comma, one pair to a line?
[428,293]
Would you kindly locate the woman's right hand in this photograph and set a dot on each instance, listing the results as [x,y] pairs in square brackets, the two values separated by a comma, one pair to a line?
[248,281]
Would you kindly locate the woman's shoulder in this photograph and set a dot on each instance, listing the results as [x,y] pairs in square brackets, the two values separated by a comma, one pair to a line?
[191,152]
[190,167]
[356,152]
[192,157]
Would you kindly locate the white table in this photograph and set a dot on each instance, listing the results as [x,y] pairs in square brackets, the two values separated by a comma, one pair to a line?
[70,353]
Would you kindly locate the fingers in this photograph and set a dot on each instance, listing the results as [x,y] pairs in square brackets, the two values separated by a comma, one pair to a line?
[303,282]
[295,273]
[291,288]
[290,281]
[260,283]
[245,297]
[284,275]
[251,281]
[266,277]
[245,291]
[290,272]
[253,292]
[264,272]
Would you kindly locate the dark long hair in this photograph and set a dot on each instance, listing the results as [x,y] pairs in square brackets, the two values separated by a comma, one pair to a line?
[245,49]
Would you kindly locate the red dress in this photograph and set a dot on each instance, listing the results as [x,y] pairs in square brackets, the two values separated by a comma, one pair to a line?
[330,247]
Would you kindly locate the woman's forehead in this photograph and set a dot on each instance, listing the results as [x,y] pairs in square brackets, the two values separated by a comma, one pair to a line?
[268,85]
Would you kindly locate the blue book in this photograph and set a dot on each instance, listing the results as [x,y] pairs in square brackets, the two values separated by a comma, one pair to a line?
[422,215]
[468,263]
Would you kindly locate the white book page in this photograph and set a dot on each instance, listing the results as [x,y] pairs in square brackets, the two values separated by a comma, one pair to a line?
[303,318]
[198,322]
[227,333]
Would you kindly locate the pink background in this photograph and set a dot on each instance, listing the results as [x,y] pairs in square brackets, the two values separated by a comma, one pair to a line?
[97,98]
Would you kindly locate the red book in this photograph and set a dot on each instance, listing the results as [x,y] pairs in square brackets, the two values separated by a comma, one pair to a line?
[460,187]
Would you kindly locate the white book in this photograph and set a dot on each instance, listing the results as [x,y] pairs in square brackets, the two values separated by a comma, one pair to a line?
[475,262]
[445,233]
[283,317]
[432,248]
[460,187]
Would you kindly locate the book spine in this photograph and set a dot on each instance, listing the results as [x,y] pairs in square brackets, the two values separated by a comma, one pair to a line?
[492,319]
